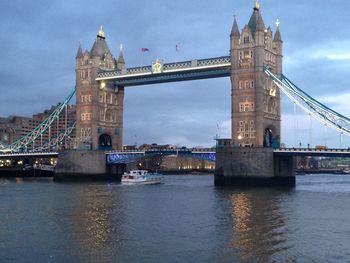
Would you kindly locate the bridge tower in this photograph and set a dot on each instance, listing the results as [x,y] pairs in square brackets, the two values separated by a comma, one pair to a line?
[256,113]
[99,104]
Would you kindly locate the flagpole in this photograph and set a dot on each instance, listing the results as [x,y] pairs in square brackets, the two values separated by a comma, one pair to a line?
[141,58]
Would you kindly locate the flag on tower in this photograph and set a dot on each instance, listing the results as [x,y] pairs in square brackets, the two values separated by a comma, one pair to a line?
[144,49]
[177,47]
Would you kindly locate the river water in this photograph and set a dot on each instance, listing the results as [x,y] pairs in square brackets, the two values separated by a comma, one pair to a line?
[186,219]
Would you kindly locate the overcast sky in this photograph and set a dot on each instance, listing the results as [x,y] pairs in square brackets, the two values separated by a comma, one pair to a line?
[40,39]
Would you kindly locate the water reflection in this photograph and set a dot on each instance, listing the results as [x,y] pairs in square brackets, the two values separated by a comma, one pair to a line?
[95,224]
[259,228]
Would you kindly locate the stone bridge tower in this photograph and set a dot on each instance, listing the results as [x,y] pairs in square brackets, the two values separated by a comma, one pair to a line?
[256,113]
[99,105]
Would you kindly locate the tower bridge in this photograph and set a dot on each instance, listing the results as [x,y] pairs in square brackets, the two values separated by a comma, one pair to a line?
[254,66]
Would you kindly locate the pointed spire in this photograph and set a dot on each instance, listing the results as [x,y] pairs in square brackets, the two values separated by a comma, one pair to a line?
[121,56]
[80,51]
[260,26]
[235,31]
[277,37]
[256,22]
[100,47]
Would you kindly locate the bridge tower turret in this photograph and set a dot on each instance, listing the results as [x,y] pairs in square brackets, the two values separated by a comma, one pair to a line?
[255,98]
[99,104]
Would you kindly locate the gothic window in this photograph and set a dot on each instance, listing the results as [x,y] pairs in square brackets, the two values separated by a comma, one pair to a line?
[246,84]
[102,114]
[251,54]
[85,116]
[246,106]
[246,40]
[271,106]
[100,97]
[241,123]
[246,126]
[90,98]
[240,55]
[252,84]
[241,85]
[82,132]
[251,123]
[109,115]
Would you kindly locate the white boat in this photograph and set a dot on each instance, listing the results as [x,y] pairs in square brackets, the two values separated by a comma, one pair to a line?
[141,177]
[44,167]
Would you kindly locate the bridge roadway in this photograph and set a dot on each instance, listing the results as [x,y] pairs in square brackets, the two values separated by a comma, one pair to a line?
[205,153]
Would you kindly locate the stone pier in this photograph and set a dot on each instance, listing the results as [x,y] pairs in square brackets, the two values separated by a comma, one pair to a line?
[246,166]
[84,165]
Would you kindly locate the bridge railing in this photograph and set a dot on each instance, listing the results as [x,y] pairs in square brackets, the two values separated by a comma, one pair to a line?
[312,150]
[162,150]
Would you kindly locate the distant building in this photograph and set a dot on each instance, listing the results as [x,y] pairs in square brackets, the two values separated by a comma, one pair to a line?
[13,128]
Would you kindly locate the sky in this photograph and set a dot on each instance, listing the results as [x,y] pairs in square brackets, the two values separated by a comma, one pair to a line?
[40,40]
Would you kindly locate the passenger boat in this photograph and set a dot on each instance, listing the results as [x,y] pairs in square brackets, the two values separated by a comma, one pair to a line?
[141,177]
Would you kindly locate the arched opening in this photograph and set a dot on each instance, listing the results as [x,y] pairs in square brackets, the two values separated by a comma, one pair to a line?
[271,139]
[105,142]
[268,138]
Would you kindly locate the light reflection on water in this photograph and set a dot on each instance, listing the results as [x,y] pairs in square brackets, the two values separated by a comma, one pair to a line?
[259,229]
[186,219]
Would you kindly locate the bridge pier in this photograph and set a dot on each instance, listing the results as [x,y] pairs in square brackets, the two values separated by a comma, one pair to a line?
[85,165]
[243,166]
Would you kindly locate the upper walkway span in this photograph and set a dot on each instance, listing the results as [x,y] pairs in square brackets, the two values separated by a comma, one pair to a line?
[169,72]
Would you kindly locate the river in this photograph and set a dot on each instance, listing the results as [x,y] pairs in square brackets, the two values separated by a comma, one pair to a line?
[186,219]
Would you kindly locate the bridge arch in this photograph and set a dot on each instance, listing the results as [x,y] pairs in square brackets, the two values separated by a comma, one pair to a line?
[105,142]
[271,137]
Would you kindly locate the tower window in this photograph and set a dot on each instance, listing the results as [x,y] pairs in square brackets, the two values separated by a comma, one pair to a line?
[252,84]
[246,40]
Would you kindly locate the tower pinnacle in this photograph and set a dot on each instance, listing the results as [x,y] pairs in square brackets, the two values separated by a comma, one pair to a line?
[101,33]
[235,30]
[257,5]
